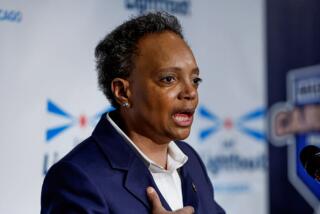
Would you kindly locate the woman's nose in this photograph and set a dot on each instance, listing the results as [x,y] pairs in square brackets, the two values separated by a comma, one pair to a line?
[188,91]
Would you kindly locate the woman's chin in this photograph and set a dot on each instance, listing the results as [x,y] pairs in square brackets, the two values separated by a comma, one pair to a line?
[182,134]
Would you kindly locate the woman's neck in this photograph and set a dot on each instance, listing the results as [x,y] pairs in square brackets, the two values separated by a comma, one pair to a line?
[153,150]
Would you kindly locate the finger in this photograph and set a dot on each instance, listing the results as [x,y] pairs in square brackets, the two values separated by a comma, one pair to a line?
[154,199]
[185,210]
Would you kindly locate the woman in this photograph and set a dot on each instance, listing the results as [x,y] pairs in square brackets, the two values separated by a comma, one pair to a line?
[134,162]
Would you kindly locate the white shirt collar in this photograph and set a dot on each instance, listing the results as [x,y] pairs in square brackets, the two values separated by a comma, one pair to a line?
[176,158]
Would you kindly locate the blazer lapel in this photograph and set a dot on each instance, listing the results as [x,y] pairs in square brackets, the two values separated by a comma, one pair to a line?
[137,181]
[122,156]
[189,189]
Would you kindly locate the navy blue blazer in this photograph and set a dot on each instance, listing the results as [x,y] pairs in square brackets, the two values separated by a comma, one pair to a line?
[103,174]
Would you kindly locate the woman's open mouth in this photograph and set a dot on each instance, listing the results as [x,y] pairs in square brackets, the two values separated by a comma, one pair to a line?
[183,118]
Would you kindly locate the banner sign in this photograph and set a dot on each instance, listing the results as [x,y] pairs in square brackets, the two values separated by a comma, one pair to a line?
[294,124]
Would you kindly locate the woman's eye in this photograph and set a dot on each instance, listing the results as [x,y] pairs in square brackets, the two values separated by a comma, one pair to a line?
[168,79]
[197,80]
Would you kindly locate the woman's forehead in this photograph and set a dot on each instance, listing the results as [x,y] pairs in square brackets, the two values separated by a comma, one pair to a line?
[163,49]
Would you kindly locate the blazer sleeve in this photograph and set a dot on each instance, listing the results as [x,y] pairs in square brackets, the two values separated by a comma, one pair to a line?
[67,189]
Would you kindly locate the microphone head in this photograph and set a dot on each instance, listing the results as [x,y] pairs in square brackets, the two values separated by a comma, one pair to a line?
[310,159]
[308,152]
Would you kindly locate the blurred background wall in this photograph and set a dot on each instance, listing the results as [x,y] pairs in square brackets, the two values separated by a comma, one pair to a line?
[50,101]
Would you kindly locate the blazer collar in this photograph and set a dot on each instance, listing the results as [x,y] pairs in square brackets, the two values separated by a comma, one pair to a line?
[121,156]
[117,151]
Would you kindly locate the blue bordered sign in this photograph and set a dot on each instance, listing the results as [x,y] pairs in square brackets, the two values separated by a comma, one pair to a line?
[303,89]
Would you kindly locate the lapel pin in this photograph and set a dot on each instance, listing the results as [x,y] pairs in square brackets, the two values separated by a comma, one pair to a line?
[194,187]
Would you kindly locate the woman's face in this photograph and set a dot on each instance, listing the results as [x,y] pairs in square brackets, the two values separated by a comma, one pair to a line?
[163,88]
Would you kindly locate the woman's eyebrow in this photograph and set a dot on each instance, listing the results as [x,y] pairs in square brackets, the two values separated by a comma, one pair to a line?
[174,69]
[196,70]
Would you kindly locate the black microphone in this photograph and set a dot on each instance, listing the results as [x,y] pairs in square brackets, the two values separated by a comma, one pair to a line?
[310,159]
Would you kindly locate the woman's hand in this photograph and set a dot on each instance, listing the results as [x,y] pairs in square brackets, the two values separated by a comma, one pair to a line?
[157,207]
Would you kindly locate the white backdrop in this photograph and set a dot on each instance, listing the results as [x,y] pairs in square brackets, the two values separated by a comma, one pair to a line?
[50,100]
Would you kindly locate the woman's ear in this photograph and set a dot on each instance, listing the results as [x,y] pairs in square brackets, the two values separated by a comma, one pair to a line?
[121,91]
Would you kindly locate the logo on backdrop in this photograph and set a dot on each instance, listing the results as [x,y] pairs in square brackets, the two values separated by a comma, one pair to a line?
[178,7]
[228,123]
[230,159]
[66,121]
[10,15]
[82,120]
[295,124]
